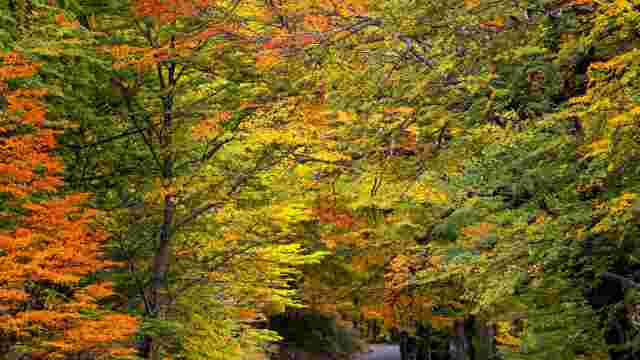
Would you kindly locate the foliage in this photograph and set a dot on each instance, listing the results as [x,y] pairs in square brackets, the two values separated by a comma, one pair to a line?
[397,161]
[482,135]
[170,130]
[50,246]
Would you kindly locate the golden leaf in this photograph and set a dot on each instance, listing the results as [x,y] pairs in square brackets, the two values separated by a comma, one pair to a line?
[344,116]
[471,4]
[400,110]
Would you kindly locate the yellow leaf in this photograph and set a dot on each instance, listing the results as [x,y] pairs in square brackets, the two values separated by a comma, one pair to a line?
[426,194]
[581,99]
[622,3]
[600,66]
[317,22]
[597,148]
[400,110]
[266,60]
[619,120]
[232,236]
[623,203]
[504,335]
[470,4]
[344,116]
[500,21]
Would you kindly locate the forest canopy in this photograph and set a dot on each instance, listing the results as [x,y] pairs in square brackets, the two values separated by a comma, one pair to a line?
[238,179]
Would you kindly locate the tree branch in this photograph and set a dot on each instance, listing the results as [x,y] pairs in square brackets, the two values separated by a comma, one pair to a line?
[627,283]
[77,147]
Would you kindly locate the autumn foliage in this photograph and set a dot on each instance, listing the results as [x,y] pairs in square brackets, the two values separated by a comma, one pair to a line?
[48,245]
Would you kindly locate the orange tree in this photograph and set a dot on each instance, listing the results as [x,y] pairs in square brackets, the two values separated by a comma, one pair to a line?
[50,299]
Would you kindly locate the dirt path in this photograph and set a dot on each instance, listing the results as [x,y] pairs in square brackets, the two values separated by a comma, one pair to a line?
[382,352]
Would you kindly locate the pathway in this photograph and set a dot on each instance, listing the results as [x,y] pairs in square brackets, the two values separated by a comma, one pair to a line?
[383,352]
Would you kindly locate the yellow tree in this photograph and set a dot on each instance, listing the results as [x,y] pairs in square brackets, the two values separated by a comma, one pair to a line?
[186,132]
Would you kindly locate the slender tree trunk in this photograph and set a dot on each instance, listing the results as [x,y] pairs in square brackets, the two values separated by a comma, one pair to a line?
[424,340]
[404,339]
[486,341]
[163,252]
[469,334]
[458,343]
[161,259]
[372,329]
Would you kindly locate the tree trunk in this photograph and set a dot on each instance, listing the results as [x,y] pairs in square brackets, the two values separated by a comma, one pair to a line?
[404,339]
[469,334]
[163,252]
[423,333]
[458,343]
[486,341]
[372,332]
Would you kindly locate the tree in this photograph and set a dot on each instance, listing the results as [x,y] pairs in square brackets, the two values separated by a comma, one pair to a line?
[51,250]
[176,154]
